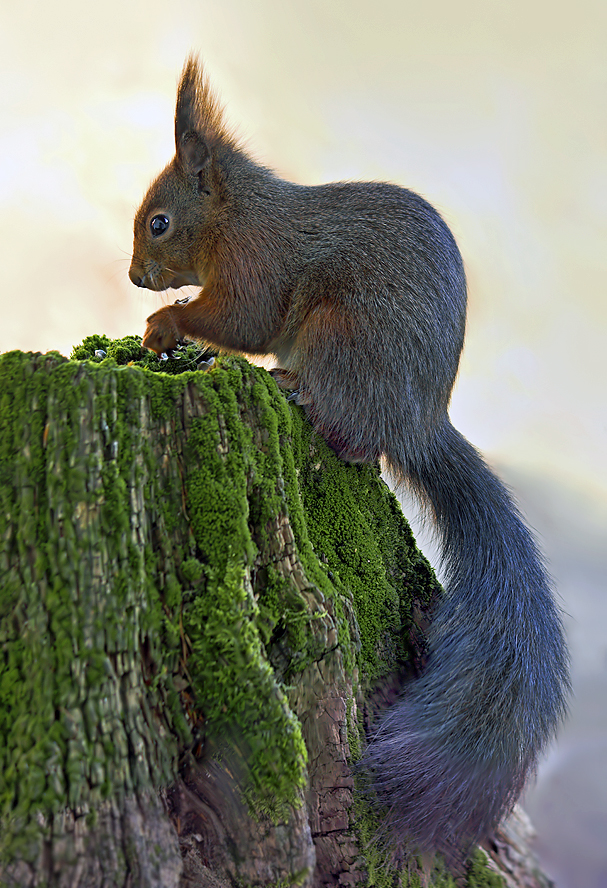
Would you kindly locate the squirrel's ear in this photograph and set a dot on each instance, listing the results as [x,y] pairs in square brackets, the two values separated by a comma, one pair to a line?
[187,111]
[193,153]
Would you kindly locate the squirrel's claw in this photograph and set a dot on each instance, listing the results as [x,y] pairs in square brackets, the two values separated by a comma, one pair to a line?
[162,334]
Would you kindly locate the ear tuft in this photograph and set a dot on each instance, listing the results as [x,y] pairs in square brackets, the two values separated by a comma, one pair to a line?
[193,153]
[197,109]
[187,111]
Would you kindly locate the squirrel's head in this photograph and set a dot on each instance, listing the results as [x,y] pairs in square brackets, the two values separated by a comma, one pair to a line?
[174,227]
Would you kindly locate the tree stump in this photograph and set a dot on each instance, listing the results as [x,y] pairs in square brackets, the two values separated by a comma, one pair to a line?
[201,612]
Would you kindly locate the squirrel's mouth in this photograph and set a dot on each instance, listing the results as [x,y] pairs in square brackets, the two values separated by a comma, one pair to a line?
[156,279]
[183,279]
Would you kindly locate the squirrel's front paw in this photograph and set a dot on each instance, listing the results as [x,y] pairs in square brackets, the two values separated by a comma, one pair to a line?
[285,379]
[162,333]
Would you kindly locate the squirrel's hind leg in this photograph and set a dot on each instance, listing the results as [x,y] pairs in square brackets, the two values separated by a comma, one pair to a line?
[337,386]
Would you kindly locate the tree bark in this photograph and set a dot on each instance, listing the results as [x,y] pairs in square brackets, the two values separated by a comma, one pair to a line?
[201,611]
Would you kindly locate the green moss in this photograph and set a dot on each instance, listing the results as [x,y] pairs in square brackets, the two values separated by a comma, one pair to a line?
[381,871]
[355,732]
[128,593]
[69,712]
[293,880]
[236,689]
[357,529]
[98,348]
[479,875]
[66,734]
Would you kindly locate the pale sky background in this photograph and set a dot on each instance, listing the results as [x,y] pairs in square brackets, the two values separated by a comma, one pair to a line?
[494,111]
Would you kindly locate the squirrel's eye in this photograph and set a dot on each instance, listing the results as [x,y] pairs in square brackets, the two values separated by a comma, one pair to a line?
[159,224]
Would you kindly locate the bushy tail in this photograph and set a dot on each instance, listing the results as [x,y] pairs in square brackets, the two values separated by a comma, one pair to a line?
[452,756]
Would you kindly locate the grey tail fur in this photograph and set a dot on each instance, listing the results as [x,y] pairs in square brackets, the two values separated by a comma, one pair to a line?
[451,757]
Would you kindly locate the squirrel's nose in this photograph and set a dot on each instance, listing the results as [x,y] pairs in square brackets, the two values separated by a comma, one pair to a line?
[136,278]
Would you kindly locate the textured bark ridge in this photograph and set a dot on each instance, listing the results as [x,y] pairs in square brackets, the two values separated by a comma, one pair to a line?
[201,609]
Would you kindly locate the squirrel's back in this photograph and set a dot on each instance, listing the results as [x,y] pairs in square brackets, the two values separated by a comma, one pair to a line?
[384,257]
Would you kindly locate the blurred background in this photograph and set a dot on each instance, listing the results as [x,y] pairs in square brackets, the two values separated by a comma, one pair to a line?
[495,111]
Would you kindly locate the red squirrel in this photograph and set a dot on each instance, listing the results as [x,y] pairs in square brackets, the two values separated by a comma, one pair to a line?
[358,289]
